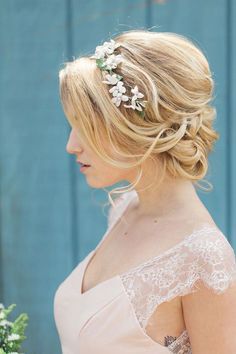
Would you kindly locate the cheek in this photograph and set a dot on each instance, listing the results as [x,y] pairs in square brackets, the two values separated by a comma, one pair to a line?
[113,174]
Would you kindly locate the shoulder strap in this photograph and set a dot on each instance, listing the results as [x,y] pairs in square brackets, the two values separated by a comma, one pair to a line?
[120,205]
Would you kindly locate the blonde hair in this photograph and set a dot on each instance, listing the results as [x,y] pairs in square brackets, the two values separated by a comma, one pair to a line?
[177,131]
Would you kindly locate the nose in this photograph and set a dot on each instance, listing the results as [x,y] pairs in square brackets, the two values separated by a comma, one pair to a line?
[72,145]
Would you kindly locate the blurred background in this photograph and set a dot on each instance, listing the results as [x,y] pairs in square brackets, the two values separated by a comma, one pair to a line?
[50,218]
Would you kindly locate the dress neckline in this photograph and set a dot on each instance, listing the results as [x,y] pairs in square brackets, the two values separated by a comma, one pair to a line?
[133,269]
[93,252]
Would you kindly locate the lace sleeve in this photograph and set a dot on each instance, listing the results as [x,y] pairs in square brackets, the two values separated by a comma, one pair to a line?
[204,255]
[215,259]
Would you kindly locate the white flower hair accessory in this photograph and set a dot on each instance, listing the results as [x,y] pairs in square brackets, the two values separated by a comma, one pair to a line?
[108,61]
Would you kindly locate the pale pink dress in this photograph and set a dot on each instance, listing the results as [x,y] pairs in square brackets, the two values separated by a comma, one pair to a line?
[111,317]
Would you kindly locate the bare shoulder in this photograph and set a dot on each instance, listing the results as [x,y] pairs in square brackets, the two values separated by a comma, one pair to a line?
[200,232]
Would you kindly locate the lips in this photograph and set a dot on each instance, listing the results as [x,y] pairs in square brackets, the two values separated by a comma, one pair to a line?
[82,164]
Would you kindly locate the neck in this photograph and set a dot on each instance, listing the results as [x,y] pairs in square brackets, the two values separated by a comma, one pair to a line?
[165,199]
[170,197]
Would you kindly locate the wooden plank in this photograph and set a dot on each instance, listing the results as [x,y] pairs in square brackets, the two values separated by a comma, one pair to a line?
[231,35]
[35,188]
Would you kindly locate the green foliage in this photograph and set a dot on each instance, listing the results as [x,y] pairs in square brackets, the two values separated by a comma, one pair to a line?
[11,333]
[101,64]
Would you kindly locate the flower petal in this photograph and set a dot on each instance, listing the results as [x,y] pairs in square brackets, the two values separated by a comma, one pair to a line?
[125,98]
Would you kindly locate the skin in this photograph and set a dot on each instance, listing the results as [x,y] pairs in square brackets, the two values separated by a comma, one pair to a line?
[172,194]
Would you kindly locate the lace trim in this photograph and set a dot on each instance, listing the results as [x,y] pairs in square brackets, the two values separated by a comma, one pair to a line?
[205,254]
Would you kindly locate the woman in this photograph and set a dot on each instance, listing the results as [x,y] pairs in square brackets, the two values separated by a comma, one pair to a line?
[163,277]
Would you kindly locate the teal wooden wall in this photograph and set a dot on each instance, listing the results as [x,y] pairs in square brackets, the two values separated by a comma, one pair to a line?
[46,222]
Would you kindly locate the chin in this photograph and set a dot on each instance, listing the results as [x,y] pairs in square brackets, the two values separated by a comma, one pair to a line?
[101,184]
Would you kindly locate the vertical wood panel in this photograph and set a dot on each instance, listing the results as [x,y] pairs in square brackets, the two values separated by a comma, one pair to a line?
[232,120]
[35,199]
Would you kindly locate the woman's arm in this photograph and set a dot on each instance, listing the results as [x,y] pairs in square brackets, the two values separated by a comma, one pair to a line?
[210,320]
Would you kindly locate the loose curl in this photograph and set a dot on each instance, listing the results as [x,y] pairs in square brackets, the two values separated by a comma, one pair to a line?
[177,132]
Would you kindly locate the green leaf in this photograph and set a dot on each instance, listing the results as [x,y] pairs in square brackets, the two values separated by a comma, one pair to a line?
[9,309]
[119,77]
[17,327]
[100,64]
[20,324]
[141,113]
